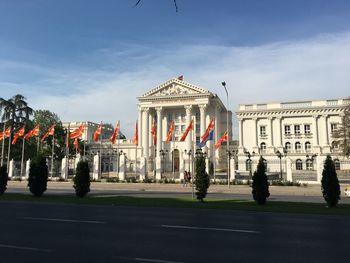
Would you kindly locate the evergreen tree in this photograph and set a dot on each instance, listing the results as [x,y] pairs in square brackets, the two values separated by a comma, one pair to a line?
[3,179]
[202,178]
[38,174]
[330,183]
[82,179]
[260,184]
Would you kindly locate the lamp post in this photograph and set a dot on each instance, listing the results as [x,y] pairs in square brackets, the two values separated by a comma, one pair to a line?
[249,155]
[230,154]
[228,136]
[280,155]
[189,153]
[312,157]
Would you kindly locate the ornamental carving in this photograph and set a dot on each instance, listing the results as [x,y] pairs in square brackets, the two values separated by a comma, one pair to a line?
[174,90]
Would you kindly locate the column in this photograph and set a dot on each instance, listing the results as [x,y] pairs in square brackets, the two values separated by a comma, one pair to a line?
[188,120]
[122,167]
[315,131]
[255,135]
[145,132]
[139,123]
[270,148]
[202,109]
[27,168]
[95,168]
[159,144]
[326,147]
[280,133]
[218,133]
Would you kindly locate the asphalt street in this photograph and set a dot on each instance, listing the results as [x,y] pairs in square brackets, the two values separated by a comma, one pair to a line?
[33,232]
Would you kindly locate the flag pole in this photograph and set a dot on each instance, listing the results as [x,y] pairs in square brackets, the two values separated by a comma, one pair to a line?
[8,153]
[3,145]
[118,156]
[100,159]
[22,160]
[52,153]
[67,151]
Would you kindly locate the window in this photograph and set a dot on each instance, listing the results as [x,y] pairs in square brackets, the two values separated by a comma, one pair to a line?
[248,165]
[183,117]
[298,165]
[333,127]
[263,147]
[198,138]
[263,131]
[198,117]
[177,129]
[287,130]
[297,129]
[309,164]
[308,147]
[298,147]
[177,117]
[183,128]
[307,129]
[288,147]
[337,164]
[335,146]
[198,127]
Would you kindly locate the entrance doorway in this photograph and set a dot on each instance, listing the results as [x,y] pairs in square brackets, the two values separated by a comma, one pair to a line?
[176,160]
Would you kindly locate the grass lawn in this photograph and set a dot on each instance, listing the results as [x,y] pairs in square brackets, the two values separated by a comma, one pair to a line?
[272,206]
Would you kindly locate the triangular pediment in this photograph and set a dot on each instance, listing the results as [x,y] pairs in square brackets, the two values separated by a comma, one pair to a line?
[174,87]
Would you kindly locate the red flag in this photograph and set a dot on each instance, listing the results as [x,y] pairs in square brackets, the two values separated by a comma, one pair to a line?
[34,132]
[208,130]
[170,132]
[5,134]
[154,132]
[97,133]
[115,134]
[180,77]
[76,144]
[18,134]
[49,132]
[223,138]
[184,135]
[78,132]
[135,139]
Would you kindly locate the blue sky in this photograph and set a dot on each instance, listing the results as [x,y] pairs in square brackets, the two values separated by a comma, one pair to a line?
[90,59]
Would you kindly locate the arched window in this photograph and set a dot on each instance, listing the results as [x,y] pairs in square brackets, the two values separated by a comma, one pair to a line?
[298,164]
[248,165]
[288,147]
[307,147]
[298,147]
[309,164]
[337,164]
[335,146]
[263,147]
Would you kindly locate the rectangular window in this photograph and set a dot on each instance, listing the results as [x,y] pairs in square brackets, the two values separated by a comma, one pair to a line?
[183,127]
[198,138]
[262,130]
[297,129]
[177,117]
[183,117]
[287,130]
[333,127]
[197,116]
[307,129]
[177,129]
[198,127]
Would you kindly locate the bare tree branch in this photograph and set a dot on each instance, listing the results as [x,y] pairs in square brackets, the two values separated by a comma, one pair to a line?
[175,3]
[138,1]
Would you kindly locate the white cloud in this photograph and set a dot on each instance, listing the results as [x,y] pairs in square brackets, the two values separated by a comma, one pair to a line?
[314,68]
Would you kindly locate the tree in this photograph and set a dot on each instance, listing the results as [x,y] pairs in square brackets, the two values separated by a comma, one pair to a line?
[82,179]
[38,174]
[260,184]
[202,178]
[341,135]
[330,183]
[3,179]
[15,110]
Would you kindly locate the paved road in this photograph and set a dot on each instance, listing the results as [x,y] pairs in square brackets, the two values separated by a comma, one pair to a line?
[311,193]
[32,232]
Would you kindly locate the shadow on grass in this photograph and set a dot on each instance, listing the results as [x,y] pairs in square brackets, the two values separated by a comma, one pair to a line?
[243,205]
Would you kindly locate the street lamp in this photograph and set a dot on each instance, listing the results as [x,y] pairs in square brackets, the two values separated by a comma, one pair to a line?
[312,157]
[280,155]
[189,153]
[228,136]
[249,155]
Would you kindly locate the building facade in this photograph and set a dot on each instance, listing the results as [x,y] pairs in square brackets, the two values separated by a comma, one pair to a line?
[293,137]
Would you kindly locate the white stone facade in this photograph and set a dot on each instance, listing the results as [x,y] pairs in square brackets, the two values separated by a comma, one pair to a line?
[301,131]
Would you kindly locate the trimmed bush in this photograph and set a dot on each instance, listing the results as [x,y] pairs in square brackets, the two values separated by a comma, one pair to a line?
[330,183]
[82,179]
[38,174]
[3,179]
[260,184]
[202,180]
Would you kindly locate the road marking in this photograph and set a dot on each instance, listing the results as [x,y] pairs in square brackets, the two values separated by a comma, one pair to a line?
[64,220]
[156,260]
[26,248]
[212,229]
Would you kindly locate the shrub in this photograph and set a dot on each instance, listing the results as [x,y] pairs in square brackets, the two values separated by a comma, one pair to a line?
[330,184]
[38,174]
[260,184]
[3,179]
[112,180]
[202,180]
[82,179]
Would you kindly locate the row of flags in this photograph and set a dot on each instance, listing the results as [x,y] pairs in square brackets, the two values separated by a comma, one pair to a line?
[78,133]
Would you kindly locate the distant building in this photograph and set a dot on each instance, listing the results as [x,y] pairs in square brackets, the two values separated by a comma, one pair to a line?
[301,131]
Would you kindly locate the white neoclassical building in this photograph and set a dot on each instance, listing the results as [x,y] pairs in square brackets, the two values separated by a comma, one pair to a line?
[178,101]
[293,137]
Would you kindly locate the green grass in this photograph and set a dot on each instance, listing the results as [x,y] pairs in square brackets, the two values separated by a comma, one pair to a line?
[272,206]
